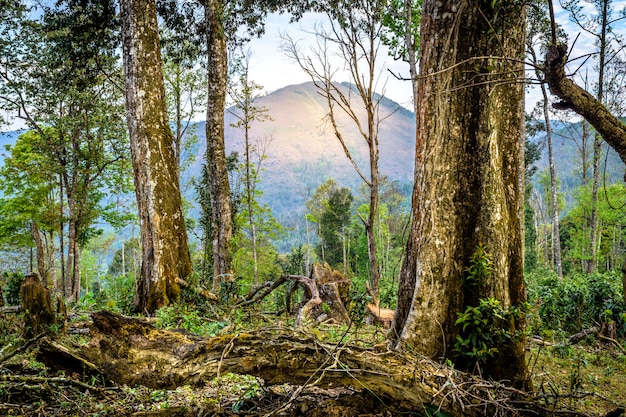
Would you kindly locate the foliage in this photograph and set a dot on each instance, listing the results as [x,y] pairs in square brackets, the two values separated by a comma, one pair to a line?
[116,294]
[485,326]
[611,231]
[395,24]
[127,259]
[187,317]
[333,221]
[293,263]
[12,282]
[483,329]
[480,268]
[576,302]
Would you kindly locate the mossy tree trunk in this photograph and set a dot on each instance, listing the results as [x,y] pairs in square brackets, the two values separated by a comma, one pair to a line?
[221,211]
[165,253]
[468,189]
[37,306]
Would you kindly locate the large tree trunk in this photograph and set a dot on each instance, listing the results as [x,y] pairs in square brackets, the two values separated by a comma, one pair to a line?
[165,255]
[221,211]
[128,351]
[468,179]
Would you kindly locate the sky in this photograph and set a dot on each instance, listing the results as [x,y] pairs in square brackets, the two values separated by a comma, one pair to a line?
[273,70]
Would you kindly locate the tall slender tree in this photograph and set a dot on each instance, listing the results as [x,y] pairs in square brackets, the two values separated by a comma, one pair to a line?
[244,92]
[538,37]
[165,253]
[600,27]
[467,197]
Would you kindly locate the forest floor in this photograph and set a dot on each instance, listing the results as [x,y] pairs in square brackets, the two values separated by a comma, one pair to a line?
[588,378]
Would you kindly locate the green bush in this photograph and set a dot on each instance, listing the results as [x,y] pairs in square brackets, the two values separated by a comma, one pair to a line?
[117,293]
[183,316]
[483,328]
[13,284]
[575,302]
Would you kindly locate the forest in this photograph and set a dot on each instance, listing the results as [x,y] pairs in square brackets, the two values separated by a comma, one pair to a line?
[164,253]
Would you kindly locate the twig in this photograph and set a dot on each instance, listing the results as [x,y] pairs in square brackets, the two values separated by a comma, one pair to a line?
[22,348]
[615,342]
[47,380]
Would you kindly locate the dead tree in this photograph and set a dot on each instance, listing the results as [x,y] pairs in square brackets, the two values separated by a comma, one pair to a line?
[37,306]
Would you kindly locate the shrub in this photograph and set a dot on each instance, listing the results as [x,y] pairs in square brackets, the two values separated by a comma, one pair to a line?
[13,283]
[575,302]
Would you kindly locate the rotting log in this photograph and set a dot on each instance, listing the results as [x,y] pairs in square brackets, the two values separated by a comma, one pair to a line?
[129,351]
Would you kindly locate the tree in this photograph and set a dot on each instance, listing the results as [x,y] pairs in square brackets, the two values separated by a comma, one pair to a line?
[355,29]
[332,227]
[219,25]
[59,78]
[28,211]
[165,253]
[244,92]
[185,94]
[216,15]
[465,249]
[600,27]
[538,37]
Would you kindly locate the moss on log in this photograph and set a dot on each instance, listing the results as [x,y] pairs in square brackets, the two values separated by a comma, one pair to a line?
[130,351]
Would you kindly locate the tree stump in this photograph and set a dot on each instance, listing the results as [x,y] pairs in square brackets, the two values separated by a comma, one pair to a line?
[37,306]
[331,283]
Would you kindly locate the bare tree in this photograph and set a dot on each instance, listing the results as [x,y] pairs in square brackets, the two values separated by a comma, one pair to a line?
[355,30]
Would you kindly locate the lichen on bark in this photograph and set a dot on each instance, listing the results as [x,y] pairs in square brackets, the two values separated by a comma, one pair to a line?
[165,253]
[468,178]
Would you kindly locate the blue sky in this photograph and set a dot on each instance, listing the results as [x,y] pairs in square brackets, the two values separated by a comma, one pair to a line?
[272,69]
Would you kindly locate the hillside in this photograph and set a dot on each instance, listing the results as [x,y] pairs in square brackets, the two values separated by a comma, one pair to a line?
[303,151]
[567,160]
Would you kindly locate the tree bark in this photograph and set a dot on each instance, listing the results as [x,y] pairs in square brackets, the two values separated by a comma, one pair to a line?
[221,210]
[573,97]
[165,254]
[128,351]
[468,188]
[37,305]
[40,254]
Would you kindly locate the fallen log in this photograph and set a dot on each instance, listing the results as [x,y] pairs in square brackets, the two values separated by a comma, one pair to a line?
[128,351]
[11,309]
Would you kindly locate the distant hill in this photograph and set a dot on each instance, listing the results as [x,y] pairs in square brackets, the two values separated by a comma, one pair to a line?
[303,151]
[567,159]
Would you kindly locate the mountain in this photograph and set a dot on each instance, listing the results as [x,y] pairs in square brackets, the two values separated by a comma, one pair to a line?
[567,160]
[303,152]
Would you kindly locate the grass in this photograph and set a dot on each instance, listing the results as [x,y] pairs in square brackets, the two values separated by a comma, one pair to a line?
[589,377]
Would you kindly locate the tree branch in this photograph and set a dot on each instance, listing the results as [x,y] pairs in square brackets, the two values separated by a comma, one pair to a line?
[573,97]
